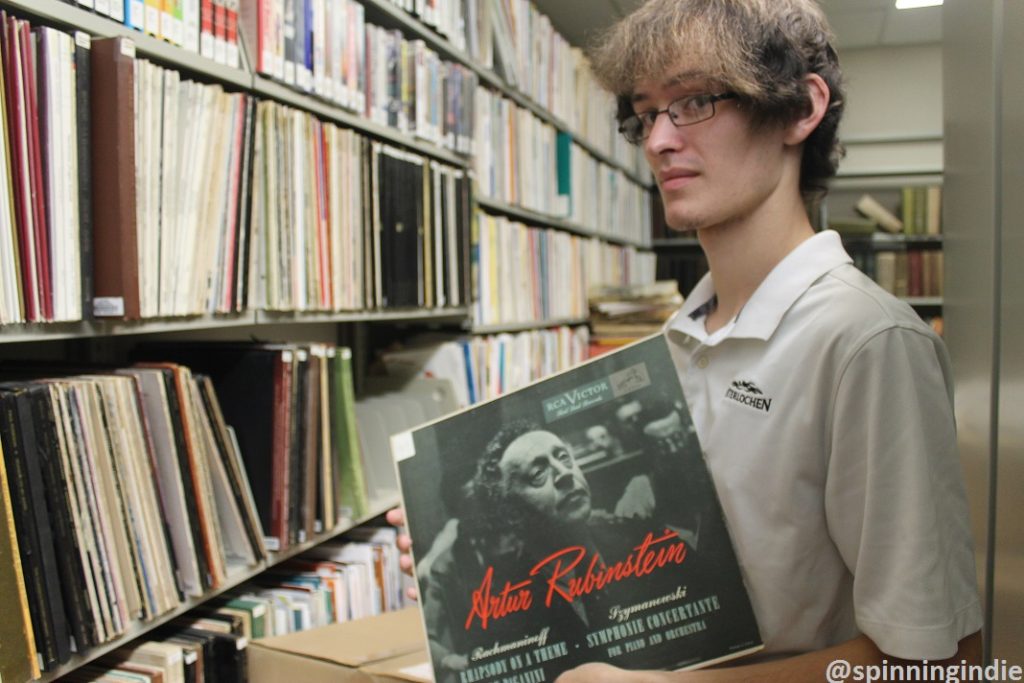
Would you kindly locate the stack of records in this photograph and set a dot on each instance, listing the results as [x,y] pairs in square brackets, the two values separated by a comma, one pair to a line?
[620,315]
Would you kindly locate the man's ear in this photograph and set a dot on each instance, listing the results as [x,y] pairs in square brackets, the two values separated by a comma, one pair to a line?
[818,96]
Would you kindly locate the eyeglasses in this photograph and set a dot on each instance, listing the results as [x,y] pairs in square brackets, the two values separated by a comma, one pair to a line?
[685,111]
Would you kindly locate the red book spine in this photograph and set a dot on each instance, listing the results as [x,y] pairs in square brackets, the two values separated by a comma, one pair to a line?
[19,166]
[43,275]
[219,23]
[206,28]
[264,26]
[228,276]
[231,27]
[281,447]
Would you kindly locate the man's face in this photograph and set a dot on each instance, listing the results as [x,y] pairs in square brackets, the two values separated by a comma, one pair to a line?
[539,471]
[718,172]
[599,436]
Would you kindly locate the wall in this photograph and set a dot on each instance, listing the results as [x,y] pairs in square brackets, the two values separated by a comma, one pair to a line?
[893,119]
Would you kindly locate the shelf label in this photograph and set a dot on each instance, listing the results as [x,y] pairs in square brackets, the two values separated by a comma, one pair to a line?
[108,306]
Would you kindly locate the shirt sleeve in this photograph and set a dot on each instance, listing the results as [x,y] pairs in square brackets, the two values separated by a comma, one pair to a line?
[895,502]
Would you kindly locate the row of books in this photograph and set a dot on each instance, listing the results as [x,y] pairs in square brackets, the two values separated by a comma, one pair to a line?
[220,202]
[326,48]
[197,647]
[594,121]
[292,409]
[903,272]
[543,66]
[612,265]
[342,223]
[329,50]
[40,240]
[129,494]
[523,273]
[202,199]
[482,367]
[603,197]
[339,581]
[521,160]
[919,212]
[125,492]
[192,158]
[205,27]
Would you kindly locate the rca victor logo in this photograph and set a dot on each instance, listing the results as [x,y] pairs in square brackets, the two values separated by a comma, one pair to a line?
[748,394]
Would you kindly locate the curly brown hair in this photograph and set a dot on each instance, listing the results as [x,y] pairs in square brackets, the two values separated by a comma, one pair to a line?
[760,49]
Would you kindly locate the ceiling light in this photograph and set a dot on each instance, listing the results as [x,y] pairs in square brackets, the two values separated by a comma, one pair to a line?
[914,4]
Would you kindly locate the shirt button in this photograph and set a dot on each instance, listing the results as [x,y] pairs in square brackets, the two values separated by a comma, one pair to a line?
[702,362]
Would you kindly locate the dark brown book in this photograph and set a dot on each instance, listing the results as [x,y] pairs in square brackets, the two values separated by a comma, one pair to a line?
[112,111]
[311,445]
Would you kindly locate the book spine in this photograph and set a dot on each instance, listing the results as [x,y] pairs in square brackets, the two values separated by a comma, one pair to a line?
[136,18]
[283,370]
[290,40]
[231,33]
[206,29]
[70,568]
[190,20]
[220,31]
[83,132]
[112,114]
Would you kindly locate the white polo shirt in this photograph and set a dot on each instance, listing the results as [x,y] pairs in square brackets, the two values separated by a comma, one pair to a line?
[825,412]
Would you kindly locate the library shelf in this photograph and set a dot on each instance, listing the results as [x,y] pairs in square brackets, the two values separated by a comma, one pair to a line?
[138,628]
[923,301]
[382,315]
[388,13]
[548,221]
[498,328]
[41,332]
[61,14]
[284,94]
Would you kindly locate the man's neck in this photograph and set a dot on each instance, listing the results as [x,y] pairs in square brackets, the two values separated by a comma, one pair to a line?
[742,254]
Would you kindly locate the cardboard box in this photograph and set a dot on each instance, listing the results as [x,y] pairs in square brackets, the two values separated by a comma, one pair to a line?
[387,648]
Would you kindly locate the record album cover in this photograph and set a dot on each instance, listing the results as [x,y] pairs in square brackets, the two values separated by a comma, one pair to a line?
[572,521]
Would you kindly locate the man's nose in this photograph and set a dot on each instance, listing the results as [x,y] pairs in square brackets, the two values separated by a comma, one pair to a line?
[563,476]
[665,135]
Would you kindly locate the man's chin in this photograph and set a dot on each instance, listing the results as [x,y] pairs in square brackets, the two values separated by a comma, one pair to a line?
[685,225]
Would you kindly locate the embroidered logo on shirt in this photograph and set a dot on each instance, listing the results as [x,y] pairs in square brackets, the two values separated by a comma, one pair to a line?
[748,394]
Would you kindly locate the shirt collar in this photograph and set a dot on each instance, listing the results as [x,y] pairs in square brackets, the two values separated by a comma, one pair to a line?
[787,281]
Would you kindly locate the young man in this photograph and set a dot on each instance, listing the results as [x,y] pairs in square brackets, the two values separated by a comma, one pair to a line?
[823,404]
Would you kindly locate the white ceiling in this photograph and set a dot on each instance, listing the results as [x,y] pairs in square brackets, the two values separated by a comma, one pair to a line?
[857,23]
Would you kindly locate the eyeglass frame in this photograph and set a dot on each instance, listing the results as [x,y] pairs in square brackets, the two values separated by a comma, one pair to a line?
[645,131]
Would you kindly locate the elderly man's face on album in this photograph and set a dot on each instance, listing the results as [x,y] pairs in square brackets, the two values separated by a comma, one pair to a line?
[538,470]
